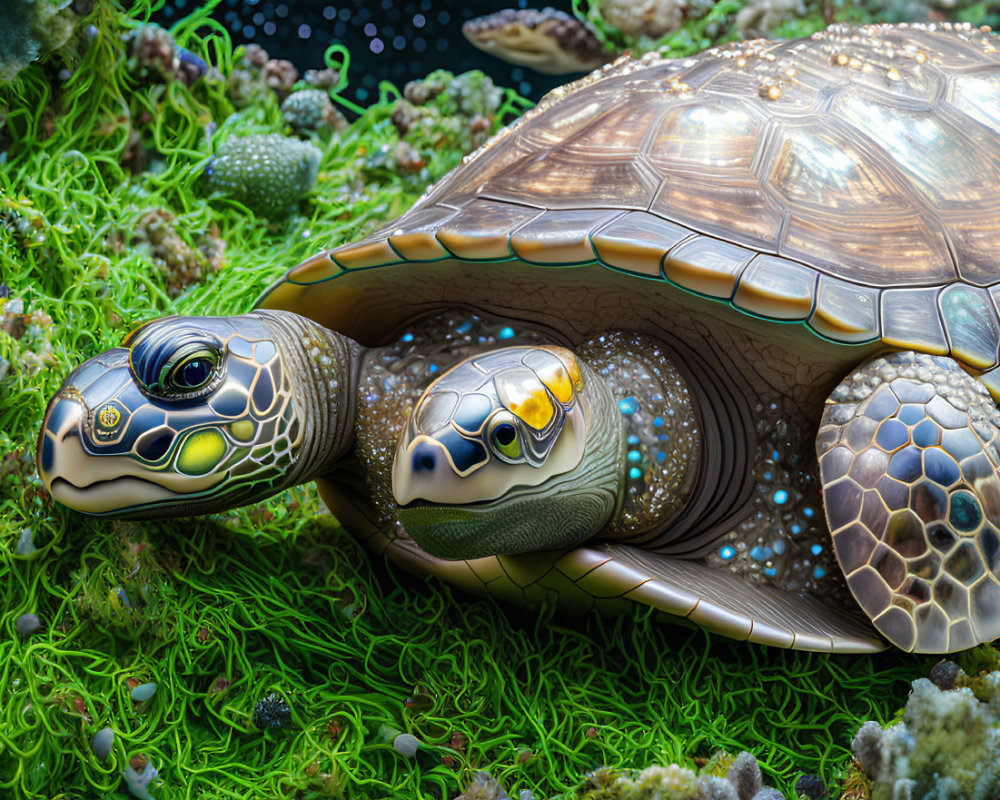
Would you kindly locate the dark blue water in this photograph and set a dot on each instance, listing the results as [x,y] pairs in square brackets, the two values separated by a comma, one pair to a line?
[388,39]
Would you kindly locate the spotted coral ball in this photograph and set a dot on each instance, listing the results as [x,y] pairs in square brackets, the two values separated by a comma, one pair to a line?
[310,110]
[267,173]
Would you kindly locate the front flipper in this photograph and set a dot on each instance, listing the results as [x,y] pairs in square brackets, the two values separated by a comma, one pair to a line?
[909,456]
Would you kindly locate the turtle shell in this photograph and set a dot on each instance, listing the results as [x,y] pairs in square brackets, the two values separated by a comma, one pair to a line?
[849,182]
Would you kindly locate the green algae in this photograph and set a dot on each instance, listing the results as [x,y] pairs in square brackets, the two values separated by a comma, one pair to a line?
[222,612]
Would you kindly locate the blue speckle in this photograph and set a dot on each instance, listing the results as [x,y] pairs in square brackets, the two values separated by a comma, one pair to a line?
[760,553]
[818,572]
[657,422]
[768,475]
[634,456]
[726,552]
[432,369]
[966,513]
[407,337]
[808,511]
[780,496]
[774,455]
[770,571]
[506,333]
[778,545]
[661,457]
[628,405]
[633,440]
[796,529]
[635,473]
[465,327]
[816,549]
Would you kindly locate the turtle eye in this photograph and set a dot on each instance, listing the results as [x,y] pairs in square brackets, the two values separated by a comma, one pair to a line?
[191,373]
[504,440]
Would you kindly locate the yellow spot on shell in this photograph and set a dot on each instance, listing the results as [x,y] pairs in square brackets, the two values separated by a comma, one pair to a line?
[201,452]
[242,430]
[109,416]
[892,74]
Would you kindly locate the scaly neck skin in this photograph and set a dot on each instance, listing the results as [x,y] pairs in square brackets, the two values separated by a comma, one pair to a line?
[653,406]
[322,369]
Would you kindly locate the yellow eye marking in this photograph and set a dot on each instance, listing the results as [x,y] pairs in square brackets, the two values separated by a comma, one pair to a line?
[201,452]
[109,416]
[535,408]
[557,380]
[242,430]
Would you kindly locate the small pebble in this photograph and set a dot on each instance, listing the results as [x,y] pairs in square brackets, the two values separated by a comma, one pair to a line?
[102,742]
[27,624]
[810,786]
[406,745]
[139,781]
[744,775]
[944,674]
[25,546]
[142,692]
[272,712]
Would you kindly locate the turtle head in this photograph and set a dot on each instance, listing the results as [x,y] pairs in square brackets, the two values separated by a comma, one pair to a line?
[510,451]
[190,415]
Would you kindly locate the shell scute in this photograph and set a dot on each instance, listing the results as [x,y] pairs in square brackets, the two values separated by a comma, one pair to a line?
[560,237]
[776,288]
[482,229]
[637,242]
[846,312]
[708,266]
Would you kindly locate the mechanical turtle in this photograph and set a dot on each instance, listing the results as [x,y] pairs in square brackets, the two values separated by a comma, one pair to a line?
[718,335]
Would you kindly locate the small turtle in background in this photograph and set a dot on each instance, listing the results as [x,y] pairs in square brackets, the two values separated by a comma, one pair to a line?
[718,335]
[556,43]
[549,41]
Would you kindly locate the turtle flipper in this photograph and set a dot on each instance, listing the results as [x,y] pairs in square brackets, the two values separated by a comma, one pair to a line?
[909,457]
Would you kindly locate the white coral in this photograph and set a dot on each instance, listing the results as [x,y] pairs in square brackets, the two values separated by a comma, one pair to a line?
[946,747]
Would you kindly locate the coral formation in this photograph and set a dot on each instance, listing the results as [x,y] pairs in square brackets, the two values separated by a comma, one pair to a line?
[154,53]
[310,111]
[31,28]
[945,747]
[760,17]
[644,18]
[265,172]
[180,264]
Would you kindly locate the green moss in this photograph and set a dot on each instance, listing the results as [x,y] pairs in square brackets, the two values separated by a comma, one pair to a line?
[276,598]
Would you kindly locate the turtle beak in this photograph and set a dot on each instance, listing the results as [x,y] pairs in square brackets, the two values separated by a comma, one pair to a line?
[66,463]
[421,468]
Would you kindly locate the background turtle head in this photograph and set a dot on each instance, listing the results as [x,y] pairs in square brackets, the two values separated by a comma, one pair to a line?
[508,452]
[191,415]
